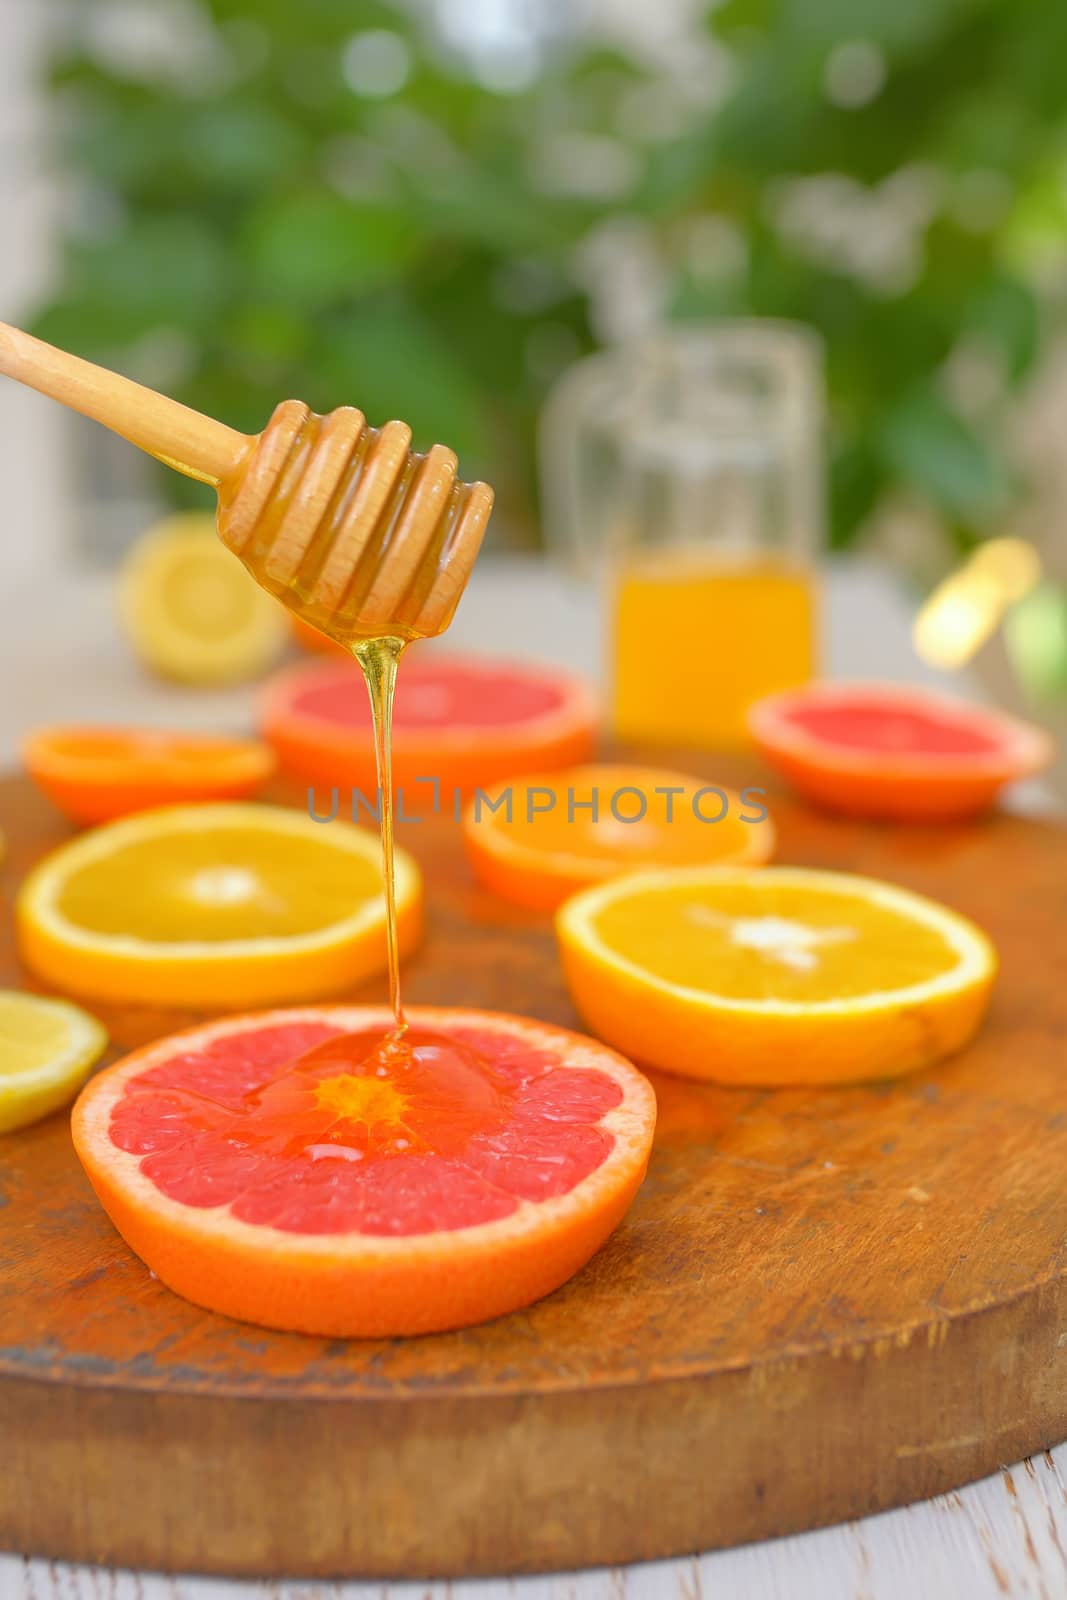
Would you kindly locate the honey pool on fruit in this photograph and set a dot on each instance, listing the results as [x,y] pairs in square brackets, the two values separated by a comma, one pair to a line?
[308,1129]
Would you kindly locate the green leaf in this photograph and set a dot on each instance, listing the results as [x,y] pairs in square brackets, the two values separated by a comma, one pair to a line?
[389,361]
[929,447]
[216,216]
[904,25]
[478,206]
[153,273]
[857,479]
[270,333]
[1004,312]
[315,247]
[240,146]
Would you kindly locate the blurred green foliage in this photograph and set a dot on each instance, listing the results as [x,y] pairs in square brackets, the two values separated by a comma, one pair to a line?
[252,221]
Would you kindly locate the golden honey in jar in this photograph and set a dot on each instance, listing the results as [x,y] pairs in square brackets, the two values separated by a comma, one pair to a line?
[698,637]
[686,470]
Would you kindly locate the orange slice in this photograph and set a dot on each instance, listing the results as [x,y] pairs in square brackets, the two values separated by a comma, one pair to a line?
[191,611]
[778,976]
[299,1170]
[213,905]
[313,640]
[95,774]
[539,839]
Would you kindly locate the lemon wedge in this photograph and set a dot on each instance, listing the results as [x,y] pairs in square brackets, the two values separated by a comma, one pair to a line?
[47,1048]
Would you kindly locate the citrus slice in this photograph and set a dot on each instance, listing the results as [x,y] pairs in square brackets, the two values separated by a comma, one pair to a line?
[457,719]
[296,1169]
[191,611]
[314,640]
[895,752]
[95,774]
[47,1048]
[539,839]
[775,976]
[213,905]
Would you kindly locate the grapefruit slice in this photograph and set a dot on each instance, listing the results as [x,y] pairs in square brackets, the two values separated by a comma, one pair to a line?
[889,751]
[96,774]
[539,839]
[460,719]
[302,1170]
[213,905]
[775,976]
[191,611]
[47,1048]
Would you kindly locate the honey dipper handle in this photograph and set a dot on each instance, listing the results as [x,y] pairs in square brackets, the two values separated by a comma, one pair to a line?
[175,434]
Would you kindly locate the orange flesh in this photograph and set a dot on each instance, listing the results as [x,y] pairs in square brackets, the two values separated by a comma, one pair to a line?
[254,887]
[305,1129]
[751,942]
[630,825]
[564,831]
[121,750]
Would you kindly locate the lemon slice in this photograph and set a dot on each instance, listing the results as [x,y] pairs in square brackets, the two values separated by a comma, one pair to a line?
[47,1048]
[191,611]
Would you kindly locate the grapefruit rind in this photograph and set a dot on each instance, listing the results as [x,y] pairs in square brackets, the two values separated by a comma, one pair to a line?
[898,784]
[234,972]
[356,1285]
[771,1041]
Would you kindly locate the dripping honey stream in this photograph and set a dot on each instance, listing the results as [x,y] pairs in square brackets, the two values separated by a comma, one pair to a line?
[362,537]
[379,660]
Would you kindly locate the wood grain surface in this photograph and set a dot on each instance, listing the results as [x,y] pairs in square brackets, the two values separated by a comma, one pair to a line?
[821,1304]
[1003,1536]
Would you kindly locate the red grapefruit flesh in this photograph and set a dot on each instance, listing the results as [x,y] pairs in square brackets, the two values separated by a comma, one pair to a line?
[460,719]
[300,1170]
[894,752]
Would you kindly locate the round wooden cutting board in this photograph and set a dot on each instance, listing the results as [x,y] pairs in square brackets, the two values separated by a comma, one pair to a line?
[823,1303]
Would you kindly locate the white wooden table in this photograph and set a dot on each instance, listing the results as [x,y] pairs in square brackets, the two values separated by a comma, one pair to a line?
[1006,1536]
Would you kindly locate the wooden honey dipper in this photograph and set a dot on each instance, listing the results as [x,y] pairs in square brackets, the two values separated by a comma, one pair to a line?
[353,530]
